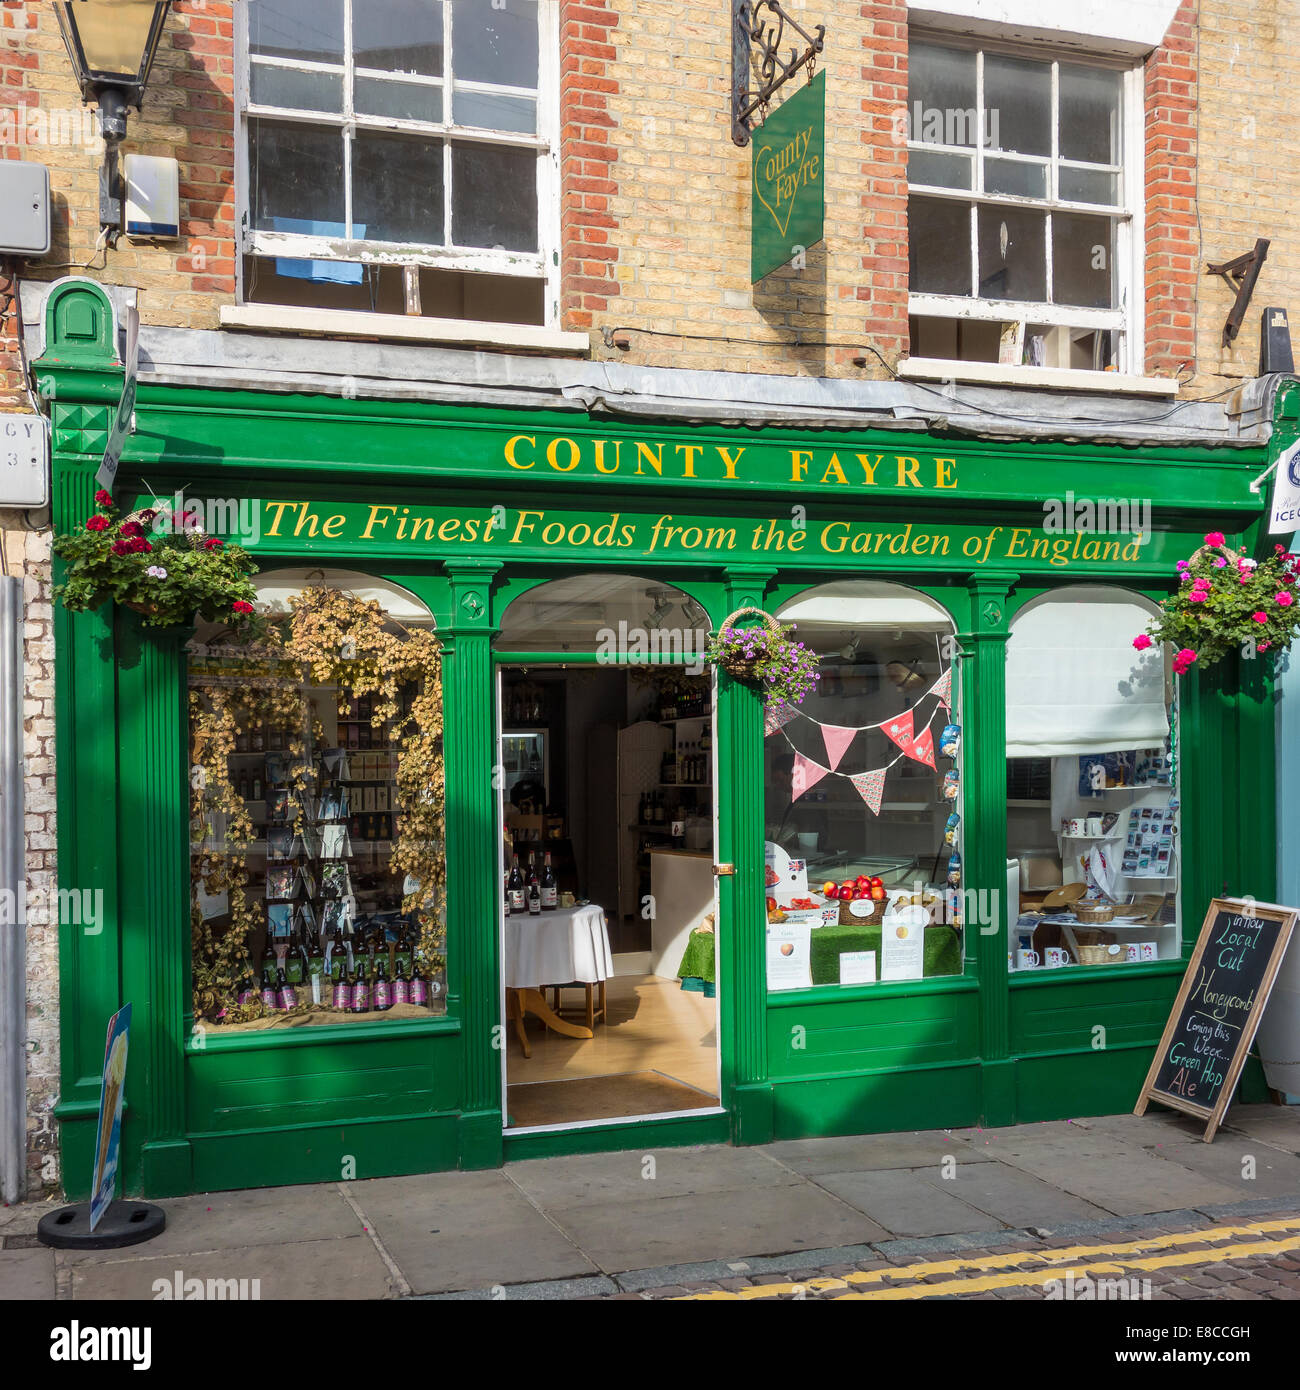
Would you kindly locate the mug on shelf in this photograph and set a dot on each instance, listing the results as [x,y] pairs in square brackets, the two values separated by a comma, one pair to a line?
[1140,951]
[1093,827]
[1055,956]
[1027,960]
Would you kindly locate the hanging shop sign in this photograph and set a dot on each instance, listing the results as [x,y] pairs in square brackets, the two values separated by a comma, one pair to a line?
[1218,1009]
[545,533]
[788,206]
[1284,518]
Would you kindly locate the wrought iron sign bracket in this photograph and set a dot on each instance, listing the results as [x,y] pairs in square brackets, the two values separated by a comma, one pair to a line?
[1240,275]
[761,24]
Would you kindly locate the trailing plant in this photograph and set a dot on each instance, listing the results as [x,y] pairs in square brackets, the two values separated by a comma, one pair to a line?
[329,638]
[156,561]
[1227,602]
[766,656]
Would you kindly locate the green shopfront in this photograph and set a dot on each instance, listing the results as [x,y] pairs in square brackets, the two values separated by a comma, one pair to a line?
[935,552]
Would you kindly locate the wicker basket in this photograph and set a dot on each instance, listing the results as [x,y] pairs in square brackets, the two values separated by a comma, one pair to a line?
[849,918]
[736,665]
[1094,912]
[1101,953]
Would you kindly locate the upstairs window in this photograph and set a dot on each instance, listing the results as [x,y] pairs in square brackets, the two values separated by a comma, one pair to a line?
[1023,190]
[398,156]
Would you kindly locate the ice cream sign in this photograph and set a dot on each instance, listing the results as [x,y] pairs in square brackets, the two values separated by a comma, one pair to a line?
[789,199]
[109,1133]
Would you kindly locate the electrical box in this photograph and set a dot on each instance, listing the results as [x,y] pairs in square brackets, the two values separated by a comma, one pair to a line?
[153,199]
[24,461]
[24,208]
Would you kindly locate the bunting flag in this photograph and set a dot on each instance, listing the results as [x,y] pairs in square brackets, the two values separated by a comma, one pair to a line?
[871,787]
[943,688]
[900,731]
[837,739]
[922,748]
[776,719]
[806,775]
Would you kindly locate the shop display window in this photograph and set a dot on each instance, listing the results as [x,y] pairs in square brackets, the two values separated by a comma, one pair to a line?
[1092,785]
[316,852]
[863,795]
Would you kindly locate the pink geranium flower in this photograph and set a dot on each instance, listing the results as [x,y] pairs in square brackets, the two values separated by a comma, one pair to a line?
[1285,599]
[1142,641]
[1260,617]
[1198,595]
[1214,538]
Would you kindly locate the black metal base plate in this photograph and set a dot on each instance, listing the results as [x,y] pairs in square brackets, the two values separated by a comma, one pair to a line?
[124,1223]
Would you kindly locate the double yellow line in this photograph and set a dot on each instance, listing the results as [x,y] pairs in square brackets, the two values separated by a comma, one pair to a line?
[1077,1260]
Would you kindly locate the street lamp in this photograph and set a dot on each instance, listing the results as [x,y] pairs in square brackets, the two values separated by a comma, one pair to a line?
[112,45]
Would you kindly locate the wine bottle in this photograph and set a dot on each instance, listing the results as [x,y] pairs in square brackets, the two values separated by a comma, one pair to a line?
[257,788]
[534,897]
[550,892]
[517,903]
[505,880]
[383,1000]
[247,987]
[361,991]
[270,997]
[343,990]
[401,985]
[288,995]
[257,742]
[419,984]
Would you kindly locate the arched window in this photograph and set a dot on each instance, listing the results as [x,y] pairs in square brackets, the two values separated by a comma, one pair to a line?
[860,796]
[595,612]
[1092,797]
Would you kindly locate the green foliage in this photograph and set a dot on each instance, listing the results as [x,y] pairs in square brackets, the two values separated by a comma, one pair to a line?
[156,562]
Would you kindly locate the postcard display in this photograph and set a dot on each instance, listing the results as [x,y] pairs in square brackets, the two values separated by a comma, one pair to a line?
[336,936]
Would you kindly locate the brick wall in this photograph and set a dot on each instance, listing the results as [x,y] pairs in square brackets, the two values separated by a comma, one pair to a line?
[1249,177]
[1171,240]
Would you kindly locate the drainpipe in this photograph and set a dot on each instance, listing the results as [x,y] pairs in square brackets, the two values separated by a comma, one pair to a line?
[13,894]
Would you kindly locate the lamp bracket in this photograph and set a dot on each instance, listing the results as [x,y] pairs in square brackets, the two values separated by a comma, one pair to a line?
[1240,275]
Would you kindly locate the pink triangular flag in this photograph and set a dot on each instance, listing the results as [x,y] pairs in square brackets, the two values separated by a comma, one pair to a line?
[943,688]
[922,748]
[871,786]
[900,730]
[837,740]
[806,774]
[774,719]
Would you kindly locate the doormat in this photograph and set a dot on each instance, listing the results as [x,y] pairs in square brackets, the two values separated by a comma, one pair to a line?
[601,1098]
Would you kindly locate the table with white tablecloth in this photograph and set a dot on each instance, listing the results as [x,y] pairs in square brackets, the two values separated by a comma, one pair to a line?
[568,945]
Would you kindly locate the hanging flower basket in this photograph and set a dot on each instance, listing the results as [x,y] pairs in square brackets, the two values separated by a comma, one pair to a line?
[158,563]
[1227,602]
[765,656]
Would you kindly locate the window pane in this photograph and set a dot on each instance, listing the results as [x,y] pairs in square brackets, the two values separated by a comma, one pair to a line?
[939,170]
[496,45]
[1018,105]
[1090,115]
[1083,260]
[295,171]
[494,197]
[1016,178]
[941,82]
[1012,251]
[400,101]
[939,246]
[301,91]
[491,111]
[397,188]
[398,35]
[1089,186]
[310,30]
[889,866]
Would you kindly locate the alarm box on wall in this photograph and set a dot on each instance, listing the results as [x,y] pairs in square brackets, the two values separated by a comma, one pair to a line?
[152,207]
[24,208]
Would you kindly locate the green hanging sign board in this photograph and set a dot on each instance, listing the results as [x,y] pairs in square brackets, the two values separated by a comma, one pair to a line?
[788,210]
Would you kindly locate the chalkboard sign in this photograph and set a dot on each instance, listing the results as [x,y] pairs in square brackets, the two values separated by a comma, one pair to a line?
[1218,1009]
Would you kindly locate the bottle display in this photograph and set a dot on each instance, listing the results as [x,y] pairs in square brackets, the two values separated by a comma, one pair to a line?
[516,886]
[549,889]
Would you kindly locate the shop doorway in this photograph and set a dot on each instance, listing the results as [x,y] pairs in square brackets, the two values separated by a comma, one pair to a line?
[608,904]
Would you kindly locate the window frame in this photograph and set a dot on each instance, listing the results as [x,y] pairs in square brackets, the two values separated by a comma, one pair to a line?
[1127,319]
[542,265]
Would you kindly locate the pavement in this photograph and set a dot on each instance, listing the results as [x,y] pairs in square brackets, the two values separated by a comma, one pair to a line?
[999,1213]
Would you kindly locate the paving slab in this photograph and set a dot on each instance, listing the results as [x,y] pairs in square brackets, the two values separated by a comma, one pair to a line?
[905,1204]
[452,1231]
[1276,1124]
[230,1220]
[869,1153]
[1050,1137]
[26,1275]
[1157,1126]
[638,1174]
[620,1236]
[1276,1174]
[1126,1183]
[22,1219]
[1012,1196]
[348,1267]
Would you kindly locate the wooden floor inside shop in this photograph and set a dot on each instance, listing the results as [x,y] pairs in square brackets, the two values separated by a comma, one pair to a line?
[655,1053]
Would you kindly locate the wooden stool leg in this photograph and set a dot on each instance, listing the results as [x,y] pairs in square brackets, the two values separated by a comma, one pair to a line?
[514,1011]
[591,1021]
[603,1014]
